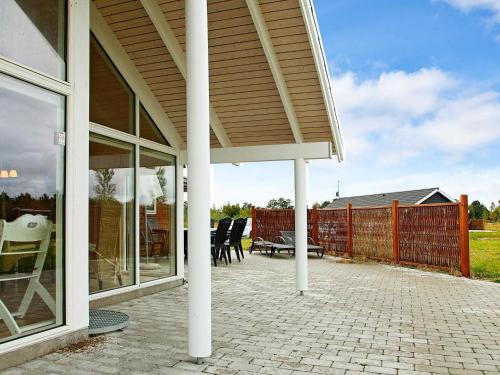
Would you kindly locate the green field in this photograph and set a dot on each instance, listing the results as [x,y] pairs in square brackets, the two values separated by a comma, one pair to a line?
[485,253]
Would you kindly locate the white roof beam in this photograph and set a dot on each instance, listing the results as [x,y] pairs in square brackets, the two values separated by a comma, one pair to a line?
[174,48]
[249,154]
[272,59]
[125,65]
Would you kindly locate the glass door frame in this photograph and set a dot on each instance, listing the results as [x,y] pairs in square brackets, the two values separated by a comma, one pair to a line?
[138,142]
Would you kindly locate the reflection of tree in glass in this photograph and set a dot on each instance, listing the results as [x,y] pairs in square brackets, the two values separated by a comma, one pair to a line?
[105,189]
[160,173]
[15,206]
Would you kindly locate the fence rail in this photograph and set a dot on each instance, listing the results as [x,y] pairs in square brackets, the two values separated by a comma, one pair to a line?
[434,235]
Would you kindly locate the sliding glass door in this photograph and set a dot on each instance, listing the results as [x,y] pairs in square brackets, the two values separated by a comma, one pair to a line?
[157,214]
[111,214]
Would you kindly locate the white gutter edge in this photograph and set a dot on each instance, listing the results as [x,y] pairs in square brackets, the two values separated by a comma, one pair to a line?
[314,35]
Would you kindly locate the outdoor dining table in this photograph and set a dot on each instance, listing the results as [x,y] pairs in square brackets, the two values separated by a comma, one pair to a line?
[212,234]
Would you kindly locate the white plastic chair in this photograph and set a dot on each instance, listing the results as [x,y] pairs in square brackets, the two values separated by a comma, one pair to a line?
[27,228]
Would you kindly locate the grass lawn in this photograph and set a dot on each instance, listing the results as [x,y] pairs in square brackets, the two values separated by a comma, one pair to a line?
[485,253]
[246,242]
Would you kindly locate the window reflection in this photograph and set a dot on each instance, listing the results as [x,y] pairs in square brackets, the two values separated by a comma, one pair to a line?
[111,214]
[31,208]
[36,34]
[157,215]
[148,129]
[112,102]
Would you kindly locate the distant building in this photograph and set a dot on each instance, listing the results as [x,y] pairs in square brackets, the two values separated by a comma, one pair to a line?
[409,197]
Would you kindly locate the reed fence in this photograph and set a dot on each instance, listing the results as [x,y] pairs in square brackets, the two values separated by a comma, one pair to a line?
[271,222]
[433,235]
[477,224]
[372,233]
[332,230]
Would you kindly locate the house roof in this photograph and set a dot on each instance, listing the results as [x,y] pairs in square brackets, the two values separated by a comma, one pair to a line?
[269,81]
[408,197]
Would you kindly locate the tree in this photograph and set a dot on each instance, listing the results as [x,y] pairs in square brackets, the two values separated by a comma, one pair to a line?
[162,180]
[280,203]
[246,206]
[231,210]
[325,204]
[216,214]
[485,215]
[477,210]
[105,189]
[246,210]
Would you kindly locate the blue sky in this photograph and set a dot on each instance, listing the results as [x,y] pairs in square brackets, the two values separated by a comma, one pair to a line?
[417,89]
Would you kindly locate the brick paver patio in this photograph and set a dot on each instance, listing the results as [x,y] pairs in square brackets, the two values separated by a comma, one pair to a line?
[366,318]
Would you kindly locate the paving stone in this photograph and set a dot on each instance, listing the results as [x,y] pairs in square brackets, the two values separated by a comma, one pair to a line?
[14,371]
[316,362]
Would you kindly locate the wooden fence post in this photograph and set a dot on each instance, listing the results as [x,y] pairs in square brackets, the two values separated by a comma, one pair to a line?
[349,229]
[464,236]
[395,231]
[314,222]
[254,224]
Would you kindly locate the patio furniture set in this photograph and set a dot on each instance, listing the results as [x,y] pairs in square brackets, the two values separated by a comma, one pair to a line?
[285,242]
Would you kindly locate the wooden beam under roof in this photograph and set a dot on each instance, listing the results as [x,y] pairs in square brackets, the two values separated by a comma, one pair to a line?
[174,48]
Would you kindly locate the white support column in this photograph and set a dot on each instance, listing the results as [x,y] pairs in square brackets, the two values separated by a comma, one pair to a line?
[301,225]
[198,150]
[77,145]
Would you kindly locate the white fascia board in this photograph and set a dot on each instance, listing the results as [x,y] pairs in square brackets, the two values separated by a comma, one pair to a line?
[312,28]
[249,154]
[120,58]
[447,195]
[177,53]
[427,196]
[272,59]
[434,192]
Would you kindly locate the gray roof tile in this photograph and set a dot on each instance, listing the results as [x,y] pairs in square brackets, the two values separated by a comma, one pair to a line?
[384,199]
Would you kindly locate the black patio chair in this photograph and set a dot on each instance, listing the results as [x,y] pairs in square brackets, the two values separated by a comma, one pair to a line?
[235,239]
[218,244]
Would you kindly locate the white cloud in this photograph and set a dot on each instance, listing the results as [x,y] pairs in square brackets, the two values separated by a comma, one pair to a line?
[407,93]
[469,5]
[460,125]
[401,115]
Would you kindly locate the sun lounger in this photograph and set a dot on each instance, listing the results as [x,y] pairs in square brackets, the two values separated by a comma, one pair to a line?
[289,239]
[270,247]
[285,242]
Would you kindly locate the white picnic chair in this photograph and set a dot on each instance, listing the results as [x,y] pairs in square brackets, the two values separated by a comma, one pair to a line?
[33,229]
